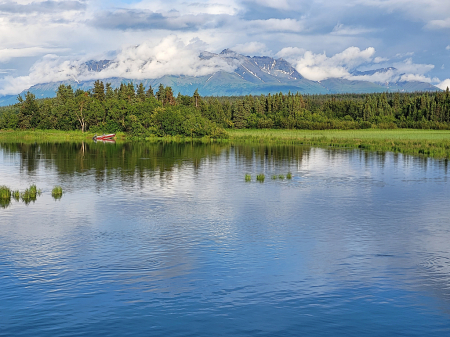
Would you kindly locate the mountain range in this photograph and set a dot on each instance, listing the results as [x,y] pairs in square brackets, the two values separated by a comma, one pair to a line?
[252,75]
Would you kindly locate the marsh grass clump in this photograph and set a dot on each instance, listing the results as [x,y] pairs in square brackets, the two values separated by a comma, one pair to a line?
[57,192]
[5,196]
[289,175]
[274,177]
[280,176]
[260,177]
[248,177]
[5,192]
[30,194]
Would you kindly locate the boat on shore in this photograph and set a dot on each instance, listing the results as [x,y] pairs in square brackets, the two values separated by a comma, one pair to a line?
[104,137]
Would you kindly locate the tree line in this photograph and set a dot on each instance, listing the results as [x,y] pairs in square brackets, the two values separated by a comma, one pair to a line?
[141,112]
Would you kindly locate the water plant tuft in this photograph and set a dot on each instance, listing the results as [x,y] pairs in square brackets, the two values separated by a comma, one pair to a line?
[274,176]
[289,175]
[280,176]
[248,177]
[30,194]
[57,192]
[5,196]
[260,177]
[5,192]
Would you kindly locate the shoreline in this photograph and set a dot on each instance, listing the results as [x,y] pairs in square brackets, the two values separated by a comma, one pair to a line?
[430,143]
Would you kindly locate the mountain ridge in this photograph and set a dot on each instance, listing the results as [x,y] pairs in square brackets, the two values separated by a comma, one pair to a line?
[253,75]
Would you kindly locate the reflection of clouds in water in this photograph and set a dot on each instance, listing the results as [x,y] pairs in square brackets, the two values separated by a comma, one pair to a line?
[347,218]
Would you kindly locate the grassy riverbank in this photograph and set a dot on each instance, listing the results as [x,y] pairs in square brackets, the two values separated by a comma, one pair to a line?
[433,143]
[27,136]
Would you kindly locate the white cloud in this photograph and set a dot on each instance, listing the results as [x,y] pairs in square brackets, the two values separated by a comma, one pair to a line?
[319,67]
[291,53]
[170,57]
[252,48]
[380,77]
[341,29]
[9,53]
[438,24]
[424,10]
[407,66]
[416,77]
[402,55]
[379,59]
[444,84]
[279,4]
[283,25]
[448,47]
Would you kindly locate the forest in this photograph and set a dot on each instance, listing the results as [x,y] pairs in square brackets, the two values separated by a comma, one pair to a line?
[141,112]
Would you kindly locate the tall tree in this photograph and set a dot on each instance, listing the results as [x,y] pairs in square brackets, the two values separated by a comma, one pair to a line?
[140,92]
[29,112]
[161,93]
[99,91]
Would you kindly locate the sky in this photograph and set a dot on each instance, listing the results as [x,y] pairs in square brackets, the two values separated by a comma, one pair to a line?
[44,41]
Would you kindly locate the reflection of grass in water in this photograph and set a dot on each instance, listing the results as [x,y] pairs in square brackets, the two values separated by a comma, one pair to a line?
[248,177]
[260,177]
[16,195]
[57,192]
[30,194]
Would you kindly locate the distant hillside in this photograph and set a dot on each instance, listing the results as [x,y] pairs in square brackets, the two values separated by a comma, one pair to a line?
[252,75]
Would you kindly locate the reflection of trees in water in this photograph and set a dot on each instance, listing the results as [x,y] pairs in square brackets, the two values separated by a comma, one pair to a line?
[135,160]
[128,159]
[270,155]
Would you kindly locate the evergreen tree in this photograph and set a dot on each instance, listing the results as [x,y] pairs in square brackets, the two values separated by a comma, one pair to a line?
[161,93]
[99,91]
[149,92]
[140,92]
[196,98]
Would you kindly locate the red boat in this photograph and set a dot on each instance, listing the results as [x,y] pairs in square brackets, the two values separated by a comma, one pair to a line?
[104,137]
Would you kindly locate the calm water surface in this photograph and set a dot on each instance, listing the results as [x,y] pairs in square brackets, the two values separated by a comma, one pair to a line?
[169,240]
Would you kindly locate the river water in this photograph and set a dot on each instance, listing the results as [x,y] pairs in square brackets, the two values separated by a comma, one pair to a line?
[170,240]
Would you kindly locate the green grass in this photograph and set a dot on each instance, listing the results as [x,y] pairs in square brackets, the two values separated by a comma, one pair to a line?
[289,175]
[433,143]
[397,134]
[5,193]
[57,192]
[30,194]
[260,177]
[248,177]
[48,135]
